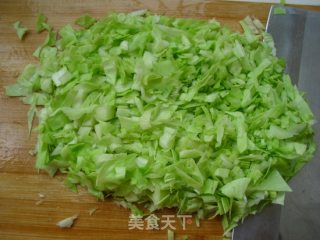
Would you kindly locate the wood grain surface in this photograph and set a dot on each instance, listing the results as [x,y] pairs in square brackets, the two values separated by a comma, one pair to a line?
[20,183]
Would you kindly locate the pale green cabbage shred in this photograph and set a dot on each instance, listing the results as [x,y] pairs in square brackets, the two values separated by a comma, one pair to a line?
[168,112]
[20,30]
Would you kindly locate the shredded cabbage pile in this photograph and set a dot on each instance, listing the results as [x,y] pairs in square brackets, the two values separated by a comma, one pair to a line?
[168,112]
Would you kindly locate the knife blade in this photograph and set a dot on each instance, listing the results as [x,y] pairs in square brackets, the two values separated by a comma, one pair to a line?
[297,36]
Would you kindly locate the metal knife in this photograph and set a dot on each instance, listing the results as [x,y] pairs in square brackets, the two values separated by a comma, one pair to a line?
[297,39]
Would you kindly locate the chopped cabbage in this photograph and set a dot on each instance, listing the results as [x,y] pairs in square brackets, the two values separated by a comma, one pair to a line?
[168,112]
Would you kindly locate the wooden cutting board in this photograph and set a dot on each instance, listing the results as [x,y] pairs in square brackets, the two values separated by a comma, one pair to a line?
[22,216]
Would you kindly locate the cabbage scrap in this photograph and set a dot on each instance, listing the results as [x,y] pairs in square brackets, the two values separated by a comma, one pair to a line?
[170,235]
[42,23]
[67,222]
[20,30]
[168,112]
